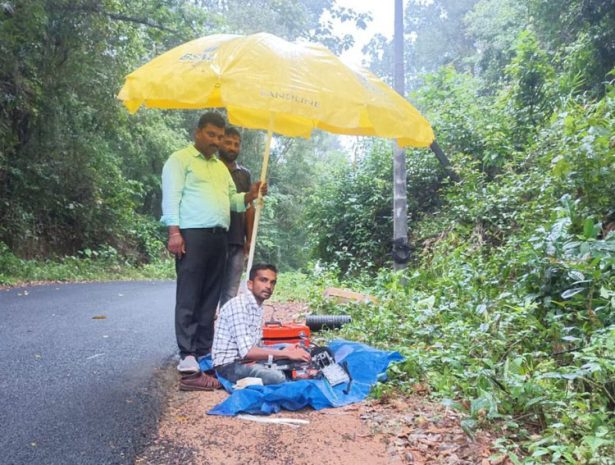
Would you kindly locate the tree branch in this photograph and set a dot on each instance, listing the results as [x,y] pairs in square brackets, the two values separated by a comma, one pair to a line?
[145,22]
[439,153]
[120,17]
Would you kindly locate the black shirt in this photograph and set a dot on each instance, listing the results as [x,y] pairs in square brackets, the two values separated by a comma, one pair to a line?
[237,229]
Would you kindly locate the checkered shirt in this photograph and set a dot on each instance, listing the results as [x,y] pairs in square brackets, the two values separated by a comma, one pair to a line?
[239,327]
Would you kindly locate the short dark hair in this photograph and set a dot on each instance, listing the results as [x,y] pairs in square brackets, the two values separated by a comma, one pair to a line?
[232,131]
[211,117]
[261,266]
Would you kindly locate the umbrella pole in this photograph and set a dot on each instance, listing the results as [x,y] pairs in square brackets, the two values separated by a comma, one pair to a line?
[259,201]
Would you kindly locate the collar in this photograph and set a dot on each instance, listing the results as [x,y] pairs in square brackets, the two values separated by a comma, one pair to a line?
[238,167]
[195,153]
[252,300]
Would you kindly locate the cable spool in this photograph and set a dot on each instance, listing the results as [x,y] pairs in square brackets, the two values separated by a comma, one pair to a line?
[318,322]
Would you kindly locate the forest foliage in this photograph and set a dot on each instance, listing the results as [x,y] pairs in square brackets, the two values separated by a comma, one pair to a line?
[507,308]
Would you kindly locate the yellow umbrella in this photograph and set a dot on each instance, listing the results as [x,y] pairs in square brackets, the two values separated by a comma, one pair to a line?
[265,82]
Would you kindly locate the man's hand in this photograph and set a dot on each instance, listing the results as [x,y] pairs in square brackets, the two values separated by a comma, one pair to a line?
[296,352]
[254,189]
[176,244]
[264,188]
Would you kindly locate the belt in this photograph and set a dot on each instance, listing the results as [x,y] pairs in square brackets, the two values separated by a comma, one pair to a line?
[216,230]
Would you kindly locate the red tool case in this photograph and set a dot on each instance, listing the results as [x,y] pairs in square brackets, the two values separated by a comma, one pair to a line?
[276,332]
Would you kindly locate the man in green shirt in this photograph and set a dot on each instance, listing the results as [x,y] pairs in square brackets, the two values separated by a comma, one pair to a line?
[198,194]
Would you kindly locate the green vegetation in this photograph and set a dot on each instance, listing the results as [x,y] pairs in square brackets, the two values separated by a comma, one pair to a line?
[507,309]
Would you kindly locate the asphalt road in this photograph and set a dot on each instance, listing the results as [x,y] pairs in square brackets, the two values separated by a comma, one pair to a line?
[83,370]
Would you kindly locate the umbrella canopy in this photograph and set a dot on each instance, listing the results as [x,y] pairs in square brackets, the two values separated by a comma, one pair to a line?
[265,82]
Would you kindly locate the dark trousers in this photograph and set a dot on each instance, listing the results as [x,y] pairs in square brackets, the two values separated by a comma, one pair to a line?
[199,278]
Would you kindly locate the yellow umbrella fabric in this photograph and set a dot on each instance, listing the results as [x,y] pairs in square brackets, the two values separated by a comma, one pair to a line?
[265,82]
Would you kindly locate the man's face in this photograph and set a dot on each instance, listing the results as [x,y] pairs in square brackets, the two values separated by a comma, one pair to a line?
[263,284]
[229,150]
[208,139]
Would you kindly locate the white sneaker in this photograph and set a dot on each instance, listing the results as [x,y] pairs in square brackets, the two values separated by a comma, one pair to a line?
[188,364]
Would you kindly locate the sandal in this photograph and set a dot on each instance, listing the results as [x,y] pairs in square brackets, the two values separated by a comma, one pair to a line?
[199,382]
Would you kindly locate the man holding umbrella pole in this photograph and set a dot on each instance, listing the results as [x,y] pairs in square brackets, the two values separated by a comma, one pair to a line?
[198,194]
[241,227]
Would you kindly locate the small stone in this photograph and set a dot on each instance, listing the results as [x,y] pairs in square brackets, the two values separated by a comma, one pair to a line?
[391,451]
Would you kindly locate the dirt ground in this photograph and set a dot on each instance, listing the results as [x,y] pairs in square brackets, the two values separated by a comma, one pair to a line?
[411,430]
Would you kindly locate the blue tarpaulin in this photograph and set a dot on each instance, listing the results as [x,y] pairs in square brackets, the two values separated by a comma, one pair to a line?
[365,364]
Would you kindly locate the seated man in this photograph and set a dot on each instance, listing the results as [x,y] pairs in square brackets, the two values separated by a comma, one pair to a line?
[239,329]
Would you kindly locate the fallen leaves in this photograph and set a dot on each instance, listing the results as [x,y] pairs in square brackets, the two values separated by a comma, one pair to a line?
[425,433]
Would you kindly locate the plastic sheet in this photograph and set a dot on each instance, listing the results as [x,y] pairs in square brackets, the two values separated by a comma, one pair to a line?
[365,364]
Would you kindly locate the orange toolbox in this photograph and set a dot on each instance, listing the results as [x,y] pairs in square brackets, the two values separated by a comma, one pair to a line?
[276,332]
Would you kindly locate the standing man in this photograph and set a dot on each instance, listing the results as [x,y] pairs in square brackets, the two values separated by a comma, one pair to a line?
[197,196]
[240,231]
[239,330]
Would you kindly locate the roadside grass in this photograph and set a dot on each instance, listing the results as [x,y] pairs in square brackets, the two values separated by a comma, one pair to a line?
[15,271]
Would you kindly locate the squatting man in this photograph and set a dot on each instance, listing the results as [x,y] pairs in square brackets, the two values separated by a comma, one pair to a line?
[238,332]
